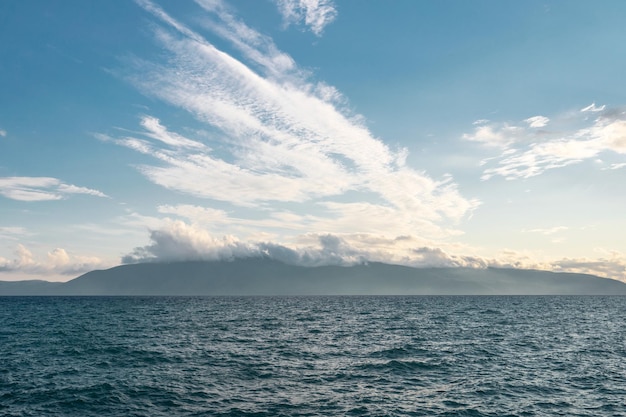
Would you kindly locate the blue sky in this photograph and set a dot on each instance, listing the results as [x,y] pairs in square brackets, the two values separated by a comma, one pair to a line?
[441,133]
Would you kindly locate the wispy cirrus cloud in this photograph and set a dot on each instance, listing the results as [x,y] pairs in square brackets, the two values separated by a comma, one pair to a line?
[257,48]
[593,108]
[280,139]
[41,189]
[530,151]
[315,14]
[154,130]
[547,231]
[12,232]
[537,121]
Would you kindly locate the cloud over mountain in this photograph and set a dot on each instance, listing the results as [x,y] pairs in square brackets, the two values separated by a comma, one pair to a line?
[179,241]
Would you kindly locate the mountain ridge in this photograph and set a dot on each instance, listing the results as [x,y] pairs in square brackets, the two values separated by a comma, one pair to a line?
[264,276]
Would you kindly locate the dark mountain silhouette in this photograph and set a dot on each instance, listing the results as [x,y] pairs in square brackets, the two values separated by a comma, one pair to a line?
[262,276]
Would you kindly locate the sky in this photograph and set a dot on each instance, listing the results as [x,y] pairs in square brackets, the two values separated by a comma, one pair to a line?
[422,133]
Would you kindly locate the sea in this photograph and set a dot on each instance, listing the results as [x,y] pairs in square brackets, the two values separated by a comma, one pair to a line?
[313,356]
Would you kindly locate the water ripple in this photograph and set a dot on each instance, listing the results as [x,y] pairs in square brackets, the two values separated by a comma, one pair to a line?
[315,356]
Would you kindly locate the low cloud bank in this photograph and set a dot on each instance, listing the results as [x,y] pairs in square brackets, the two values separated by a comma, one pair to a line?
[56,262]
[179,241]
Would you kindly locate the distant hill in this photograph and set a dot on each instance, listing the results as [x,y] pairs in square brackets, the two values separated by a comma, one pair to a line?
[262,276]
[30,287]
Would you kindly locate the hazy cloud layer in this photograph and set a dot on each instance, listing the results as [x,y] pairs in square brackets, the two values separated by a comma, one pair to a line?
[614,267]
[609,264]
[40,189]
[278,138]
[57,262]
[527,151]
[12,232]
[3,133]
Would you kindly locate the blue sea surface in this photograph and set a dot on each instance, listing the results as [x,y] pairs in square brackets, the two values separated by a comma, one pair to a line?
[313,356]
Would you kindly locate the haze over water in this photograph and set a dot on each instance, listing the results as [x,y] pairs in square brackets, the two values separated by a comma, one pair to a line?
[312,356]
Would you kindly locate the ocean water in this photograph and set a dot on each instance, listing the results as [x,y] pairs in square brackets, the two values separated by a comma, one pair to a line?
[312,356]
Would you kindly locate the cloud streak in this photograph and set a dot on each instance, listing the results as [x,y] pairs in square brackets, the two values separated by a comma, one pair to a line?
[41,189]
[280,139]
[537,121]
[548,231]
[533,150]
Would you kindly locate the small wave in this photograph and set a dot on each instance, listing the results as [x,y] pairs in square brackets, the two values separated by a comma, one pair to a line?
[399,365]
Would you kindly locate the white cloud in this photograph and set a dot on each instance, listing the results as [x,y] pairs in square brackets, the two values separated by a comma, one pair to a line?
[281,139]
[155,130]
[40,189]
[178,240]
[3,133]
[73,189]
[219,221]
[617,166]
[537,121]
[494,136]
[437,257]
[256,47]
[527,153]
[315,14]
[57,261]
[12,232]
[547,231]
[203,215]
[593,108]
[610,134]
